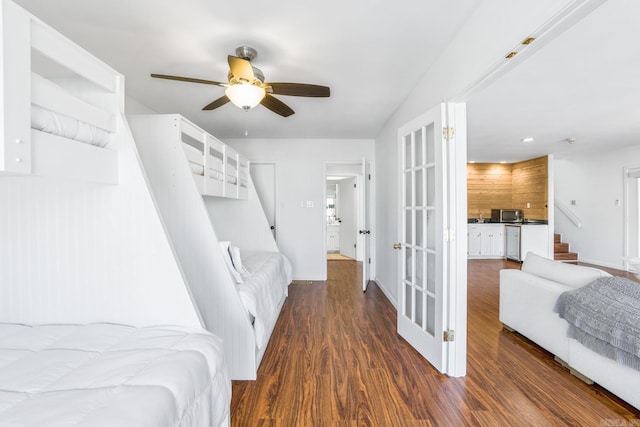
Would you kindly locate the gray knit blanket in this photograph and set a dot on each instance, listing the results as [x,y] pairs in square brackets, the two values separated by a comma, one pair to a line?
[605,317]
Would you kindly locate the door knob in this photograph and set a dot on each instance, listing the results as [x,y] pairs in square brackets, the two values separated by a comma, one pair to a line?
[397,246]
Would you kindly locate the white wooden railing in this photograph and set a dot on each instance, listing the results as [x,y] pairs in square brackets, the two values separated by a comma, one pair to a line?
[568,213]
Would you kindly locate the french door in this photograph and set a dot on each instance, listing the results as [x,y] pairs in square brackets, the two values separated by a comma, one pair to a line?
[432,282]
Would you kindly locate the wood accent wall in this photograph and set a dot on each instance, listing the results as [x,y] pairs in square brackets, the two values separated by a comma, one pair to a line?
[503,185]
[530,183]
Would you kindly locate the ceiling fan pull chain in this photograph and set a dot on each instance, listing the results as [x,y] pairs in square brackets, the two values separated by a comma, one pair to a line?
[246,130]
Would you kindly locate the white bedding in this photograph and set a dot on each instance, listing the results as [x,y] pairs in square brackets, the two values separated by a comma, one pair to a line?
[111,375]
[58,124]
[214,174]
[196,168]
[263,292]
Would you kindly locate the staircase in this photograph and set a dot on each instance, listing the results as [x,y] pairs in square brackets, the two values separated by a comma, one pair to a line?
[561,251]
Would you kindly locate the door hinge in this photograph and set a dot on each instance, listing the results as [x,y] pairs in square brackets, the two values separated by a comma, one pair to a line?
[369,260]
[448,335]
[369,177]
[449,235]
[354,245]
[448,133]
[354,186]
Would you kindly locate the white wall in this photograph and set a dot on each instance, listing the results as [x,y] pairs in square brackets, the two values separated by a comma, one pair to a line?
[492,31]
[77,252]
[301,178]
[595,182]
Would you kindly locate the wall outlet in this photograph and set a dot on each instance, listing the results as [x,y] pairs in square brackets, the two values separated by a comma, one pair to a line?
[309,203]
[528,205]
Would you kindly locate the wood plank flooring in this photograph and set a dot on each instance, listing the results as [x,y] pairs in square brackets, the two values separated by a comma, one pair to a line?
[335,359]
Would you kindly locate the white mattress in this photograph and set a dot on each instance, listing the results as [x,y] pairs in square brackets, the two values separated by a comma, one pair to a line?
[58,124]
[111,375]
[263,292]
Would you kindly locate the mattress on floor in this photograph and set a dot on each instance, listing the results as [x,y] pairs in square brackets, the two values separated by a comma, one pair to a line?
[111,375]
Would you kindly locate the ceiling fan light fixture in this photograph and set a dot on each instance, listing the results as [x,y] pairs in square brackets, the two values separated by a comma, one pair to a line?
[245,96]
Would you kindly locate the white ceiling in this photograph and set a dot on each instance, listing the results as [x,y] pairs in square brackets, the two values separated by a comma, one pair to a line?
[585,84]
[582,85]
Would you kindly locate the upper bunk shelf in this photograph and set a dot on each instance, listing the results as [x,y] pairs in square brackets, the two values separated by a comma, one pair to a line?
[62,108]
[217,169]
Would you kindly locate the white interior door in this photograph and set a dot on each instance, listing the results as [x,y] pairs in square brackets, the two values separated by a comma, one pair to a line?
[363,224]
[428,293]
[263,176]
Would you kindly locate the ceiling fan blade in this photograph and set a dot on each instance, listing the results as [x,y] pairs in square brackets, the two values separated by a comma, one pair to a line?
[241,68]
[300,89]
[277,106]
[187,79]
[217,103]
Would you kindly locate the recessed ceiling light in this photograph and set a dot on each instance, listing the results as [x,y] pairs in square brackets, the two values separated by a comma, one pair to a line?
[527,139]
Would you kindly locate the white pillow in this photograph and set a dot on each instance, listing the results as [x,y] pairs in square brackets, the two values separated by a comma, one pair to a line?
[237,261]
[224,246]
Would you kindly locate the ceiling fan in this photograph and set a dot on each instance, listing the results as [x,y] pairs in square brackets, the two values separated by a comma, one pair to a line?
[246,87]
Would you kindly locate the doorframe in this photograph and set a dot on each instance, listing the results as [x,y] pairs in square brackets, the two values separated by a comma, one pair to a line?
[457,318]
[276,193]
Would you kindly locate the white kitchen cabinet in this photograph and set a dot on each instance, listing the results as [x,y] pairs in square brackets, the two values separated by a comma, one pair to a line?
[485,240]
[333,238]
[535,238]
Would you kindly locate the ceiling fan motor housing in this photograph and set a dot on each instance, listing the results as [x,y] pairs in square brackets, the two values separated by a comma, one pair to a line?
[246,52]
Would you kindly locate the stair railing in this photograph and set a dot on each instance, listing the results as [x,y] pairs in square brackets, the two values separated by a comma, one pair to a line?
[568,213]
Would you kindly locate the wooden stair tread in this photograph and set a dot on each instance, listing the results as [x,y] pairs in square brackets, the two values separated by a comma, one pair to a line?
[561,250]
[563,256]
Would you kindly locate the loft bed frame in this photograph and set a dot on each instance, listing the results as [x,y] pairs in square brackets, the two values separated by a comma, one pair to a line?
[217,169]
[62,109]
[171,149]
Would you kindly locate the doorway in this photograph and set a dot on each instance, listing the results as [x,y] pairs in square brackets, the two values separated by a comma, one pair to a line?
[346,232]
[263,175]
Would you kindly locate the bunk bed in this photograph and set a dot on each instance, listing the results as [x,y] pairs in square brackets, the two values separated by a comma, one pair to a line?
[241,310]
[61,109]
[82,342]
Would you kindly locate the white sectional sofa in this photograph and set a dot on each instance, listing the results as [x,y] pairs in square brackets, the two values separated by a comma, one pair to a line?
[527,300]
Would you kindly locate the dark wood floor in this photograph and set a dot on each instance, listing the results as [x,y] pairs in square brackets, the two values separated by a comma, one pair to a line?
[335,359]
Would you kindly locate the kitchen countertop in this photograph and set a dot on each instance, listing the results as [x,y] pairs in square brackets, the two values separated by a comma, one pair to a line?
[525,222]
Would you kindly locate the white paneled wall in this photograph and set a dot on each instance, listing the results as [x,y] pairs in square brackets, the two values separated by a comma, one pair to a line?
[242,222]
[78,252]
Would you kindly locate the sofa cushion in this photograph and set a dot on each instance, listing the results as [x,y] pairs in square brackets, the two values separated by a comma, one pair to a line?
[571,275]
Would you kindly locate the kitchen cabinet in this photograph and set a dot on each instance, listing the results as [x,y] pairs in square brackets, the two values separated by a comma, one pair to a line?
[333,238]
[485,240]
[534,238]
